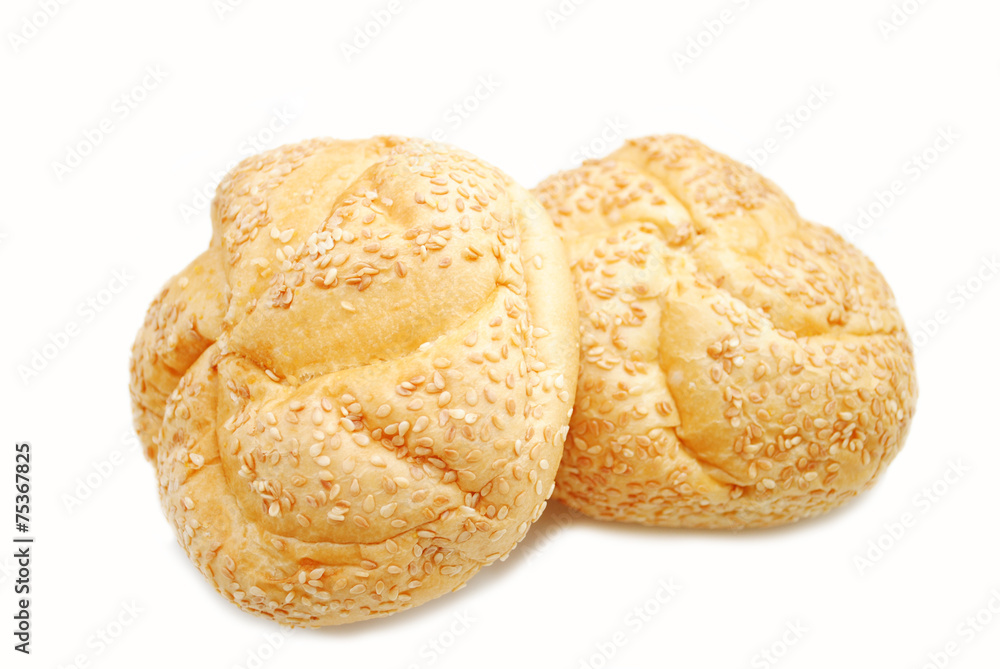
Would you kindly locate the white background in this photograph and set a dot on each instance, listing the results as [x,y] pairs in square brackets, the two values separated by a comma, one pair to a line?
[609,70]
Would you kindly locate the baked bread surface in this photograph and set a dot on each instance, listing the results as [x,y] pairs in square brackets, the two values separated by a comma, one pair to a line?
[358,395]
[740,366]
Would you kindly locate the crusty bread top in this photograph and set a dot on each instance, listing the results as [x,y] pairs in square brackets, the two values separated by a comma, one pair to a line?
[731,349]
[384,400]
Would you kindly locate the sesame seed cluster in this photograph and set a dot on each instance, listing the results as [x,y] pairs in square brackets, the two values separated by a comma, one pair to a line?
[358,395]
[741,366]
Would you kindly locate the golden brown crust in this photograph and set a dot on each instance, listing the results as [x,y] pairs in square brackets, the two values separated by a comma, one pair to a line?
[382,410]
[741,367]
[183,321]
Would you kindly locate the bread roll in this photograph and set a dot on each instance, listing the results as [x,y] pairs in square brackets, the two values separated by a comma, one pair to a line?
[358,396]
[740,367]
